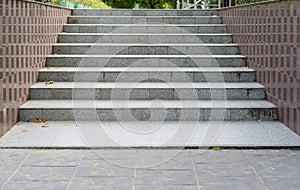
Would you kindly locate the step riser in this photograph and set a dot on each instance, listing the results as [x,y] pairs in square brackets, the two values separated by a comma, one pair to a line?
[146,76]
[143,62]
[67,38]
[78,12]
[143,20]
[144,29]
[147,94]
[145,50]
[152,114]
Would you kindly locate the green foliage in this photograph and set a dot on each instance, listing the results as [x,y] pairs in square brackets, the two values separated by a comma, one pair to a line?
[125,4]
[90,3]
[143,4]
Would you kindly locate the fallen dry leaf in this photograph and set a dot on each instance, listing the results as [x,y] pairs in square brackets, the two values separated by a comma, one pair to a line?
[48,83]
[24,131]
[37,120]
[45,125]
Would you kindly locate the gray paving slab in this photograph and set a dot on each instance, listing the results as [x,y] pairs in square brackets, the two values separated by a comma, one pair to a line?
[36,185]
[158,169]
[44,173]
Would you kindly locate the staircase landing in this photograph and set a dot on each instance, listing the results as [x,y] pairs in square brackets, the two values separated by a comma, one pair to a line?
[171,134]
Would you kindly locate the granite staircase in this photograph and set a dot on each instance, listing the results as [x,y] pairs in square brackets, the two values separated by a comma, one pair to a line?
[150,78]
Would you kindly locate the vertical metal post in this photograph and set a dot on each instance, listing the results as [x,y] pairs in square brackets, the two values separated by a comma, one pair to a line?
[219,1]
[230,3]
[195,2]
[178,4]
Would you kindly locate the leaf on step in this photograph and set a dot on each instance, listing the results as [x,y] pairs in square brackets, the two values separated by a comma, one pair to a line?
[216,148]
[19,123]
[64,32]
[259,120]
[49,82]
[45,125]
[248,68]
[48,67]
[24,131]
[226,42]
[37,120]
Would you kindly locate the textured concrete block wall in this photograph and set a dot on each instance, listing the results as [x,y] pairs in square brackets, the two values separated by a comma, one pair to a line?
[269,35]
[28,30]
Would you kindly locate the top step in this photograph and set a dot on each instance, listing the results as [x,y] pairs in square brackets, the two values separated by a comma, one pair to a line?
[142,12]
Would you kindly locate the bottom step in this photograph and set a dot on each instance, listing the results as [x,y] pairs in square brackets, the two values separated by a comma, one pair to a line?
[127,134]
[148,110]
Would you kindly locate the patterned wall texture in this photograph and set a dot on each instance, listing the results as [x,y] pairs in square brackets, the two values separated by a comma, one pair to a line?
[27,31]
[269,35]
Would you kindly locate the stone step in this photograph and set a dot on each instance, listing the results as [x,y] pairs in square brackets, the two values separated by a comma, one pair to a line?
[175,135]
[145,28]
[147,74]
[145,49]
[144,110]
[142,12]
[143,38]
[146,91]
[146,61]
[144,19]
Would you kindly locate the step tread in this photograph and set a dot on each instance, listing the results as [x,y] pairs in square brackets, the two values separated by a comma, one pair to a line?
[169,134]
[156,85]
[150,16]
[149,24]
[204,45]
[147,69]
[147,34]
[149,56]
[161,104]
[148,44]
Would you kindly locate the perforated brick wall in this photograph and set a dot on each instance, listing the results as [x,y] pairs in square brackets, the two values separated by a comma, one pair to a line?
[28,30]
[269,35]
